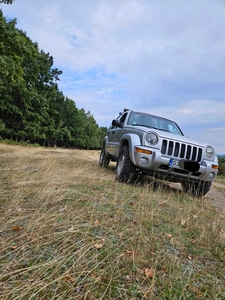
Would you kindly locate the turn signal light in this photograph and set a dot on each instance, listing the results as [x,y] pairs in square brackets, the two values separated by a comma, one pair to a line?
[143,151]
[215,167]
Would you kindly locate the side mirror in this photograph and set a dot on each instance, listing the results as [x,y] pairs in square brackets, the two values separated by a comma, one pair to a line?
[116,123]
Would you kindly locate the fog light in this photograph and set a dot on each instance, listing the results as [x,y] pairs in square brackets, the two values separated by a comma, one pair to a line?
[211,175]
[143,161]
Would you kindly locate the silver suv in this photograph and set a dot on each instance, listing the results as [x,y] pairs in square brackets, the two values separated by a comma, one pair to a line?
[148,144]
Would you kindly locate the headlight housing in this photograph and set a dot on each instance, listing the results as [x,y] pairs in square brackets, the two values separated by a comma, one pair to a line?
[151,139]
[209,151]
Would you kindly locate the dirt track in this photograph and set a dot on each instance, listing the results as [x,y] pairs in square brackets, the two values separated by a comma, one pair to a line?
[216,196]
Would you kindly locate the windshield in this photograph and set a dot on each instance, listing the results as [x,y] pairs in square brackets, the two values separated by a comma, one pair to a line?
[140,119]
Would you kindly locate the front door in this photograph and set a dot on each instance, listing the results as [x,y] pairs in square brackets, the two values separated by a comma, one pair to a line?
[114,136]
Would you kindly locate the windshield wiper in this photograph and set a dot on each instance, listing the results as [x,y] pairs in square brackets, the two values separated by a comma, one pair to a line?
[144,126]
[165,130]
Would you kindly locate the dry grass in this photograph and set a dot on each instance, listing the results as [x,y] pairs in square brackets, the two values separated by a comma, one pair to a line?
[70,231]
[220,179]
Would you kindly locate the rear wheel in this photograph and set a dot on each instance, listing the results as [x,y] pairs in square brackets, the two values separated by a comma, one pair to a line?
[125,170]
[196,189]
[103,159]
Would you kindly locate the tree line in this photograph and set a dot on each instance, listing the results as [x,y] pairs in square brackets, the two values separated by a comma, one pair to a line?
[32,108]
[221,160]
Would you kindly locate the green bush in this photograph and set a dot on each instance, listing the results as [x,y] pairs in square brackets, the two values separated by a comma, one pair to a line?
[221,170]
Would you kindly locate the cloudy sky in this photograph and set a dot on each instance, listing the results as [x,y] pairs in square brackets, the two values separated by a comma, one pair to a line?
[162,57]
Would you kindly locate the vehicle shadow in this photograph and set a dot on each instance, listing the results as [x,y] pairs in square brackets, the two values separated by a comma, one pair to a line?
[153,184]
[156,184]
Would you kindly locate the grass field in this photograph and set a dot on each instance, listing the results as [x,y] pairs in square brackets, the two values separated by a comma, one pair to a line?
[70,231]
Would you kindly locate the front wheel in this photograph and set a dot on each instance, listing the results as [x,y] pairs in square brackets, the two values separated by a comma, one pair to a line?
[196,189]
[125,170]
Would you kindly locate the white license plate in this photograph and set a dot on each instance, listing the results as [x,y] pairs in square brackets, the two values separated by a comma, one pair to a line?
[173,163]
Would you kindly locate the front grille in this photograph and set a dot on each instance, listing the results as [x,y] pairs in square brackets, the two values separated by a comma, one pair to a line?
[181,150]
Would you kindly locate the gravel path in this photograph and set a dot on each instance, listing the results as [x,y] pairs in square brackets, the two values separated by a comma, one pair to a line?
[216,196]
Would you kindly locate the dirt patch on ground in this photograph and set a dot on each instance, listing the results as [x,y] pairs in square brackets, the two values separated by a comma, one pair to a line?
[216,196]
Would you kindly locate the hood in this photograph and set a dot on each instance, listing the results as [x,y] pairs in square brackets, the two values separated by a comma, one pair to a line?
[180,138]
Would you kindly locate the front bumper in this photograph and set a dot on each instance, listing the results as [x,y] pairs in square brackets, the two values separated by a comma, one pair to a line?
[153,162]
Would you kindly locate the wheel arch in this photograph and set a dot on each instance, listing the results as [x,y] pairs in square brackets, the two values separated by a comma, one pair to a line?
[129,140]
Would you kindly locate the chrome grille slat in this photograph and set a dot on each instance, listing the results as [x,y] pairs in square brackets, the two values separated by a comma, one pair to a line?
[181,150]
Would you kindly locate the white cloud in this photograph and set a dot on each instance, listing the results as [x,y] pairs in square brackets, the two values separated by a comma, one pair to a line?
[202,111]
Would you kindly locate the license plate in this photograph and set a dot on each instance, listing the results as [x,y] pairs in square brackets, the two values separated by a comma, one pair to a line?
[173,163]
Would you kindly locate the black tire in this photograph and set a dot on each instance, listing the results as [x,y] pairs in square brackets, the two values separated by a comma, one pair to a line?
[196,189]
[125,170]
[103,159]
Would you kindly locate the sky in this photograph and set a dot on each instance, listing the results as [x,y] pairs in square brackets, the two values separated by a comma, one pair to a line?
[161,57]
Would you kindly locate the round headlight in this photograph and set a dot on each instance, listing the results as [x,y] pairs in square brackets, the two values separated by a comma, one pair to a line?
[151,139]
[209,152]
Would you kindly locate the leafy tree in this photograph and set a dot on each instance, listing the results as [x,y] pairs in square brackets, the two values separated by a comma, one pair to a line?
[31,106]
[26,83]
[2,126]
[6,1]
[80,134]
[73,123]
[102,133]
[91,132]
[53,123]
[221,160]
